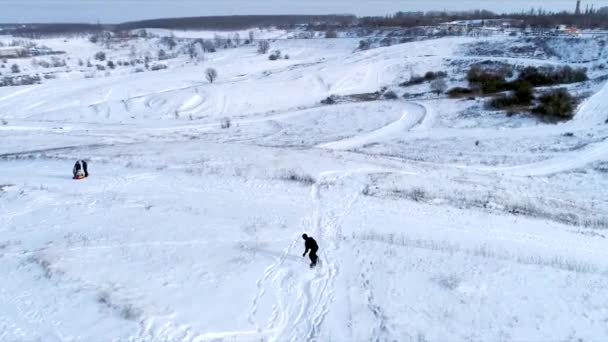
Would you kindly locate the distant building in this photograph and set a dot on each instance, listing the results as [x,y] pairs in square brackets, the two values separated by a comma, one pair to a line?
[40,51]
[565,29]
[12,52]
[477,26]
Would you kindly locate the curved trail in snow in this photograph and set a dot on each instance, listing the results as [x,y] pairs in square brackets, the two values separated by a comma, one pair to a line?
[414,116]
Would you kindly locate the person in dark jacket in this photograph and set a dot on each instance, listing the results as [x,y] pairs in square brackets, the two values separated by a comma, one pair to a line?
[80,170]
[311,245]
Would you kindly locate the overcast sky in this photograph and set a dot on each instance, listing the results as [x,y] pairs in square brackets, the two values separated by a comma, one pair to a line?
[113,11]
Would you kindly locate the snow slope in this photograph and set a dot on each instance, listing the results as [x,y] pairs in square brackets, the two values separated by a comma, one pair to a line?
[187,231]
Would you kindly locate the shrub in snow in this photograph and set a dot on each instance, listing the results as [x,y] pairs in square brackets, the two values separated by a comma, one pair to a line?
[211,75]
[100,56]
[549,75]
[417,194]
[111,65]
[156,67]
[263,47]
[390,95]
[330,100]
[488,82]
[56,62]
[293,176]
[275,55]
[169,42]
[225,123]
[286,57]
[364,44]
[439,86]
[429,76]
[15,69]
[29,80]
[459,91]
[556,104]
[522,96]
[162,55]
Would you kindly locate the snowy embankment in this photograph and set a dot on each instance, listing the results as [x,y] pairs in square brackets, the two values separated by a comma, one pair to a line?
[190,230]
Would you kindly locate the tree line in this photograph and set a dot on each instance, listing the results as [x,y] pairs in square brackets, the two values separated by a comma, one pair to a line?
[590,18]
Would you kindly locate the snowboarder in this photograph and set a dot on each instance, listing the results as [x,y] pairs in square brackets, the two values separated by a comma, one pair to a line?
[311,245]
[80,170]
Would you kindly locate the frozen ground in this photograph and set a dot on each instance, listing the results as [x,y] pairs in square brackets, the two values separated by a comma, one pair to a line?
[433,224]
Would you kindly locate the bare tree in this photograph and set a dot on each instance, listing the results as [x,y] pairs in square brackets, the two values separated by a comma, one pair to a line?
[132,52]
[439,86]
[263,47]
[218,41]
[210,75]
[251,36]
[237,39]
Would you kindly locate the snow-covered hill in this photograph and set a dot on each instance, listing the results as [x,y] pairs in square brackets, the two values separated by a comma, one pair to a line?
[436,220]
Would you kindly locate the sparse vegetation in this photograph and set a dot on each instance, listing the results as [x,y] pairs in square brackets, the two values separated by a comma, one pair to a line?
[263,47]
[225,123]
[439,86]
[365,44]
[100,56]
[390,95]
[551,76]
[293,176]
[329,100]
[275,55]
[556,104]
[428,77]
[158,66]
[211,75]
[522,96]
[459,92]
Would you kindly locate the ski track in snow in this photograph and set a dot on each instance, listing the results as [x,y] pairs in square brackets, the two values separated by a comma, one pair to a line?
[408,121]
[302,304]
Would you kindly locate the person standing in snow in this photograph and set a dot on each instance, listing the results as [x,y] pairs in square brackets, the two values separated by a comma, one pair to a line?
[311,245]
[80,170]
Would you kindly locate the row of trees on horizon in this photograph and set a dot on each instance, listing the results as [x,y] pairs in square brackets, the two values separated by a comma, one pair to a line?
[590,18]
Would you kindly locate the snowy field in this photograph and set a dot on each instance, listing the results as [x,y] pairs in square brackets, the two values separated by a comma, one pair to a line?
[436,220]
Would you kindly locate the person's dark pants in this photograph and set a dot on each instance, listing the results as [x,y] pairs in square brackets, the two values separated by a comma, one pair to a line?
[313,258]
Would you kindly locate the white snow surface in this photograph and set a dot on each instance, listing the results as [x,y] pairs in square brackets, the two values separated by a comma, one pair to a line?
[429,229]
